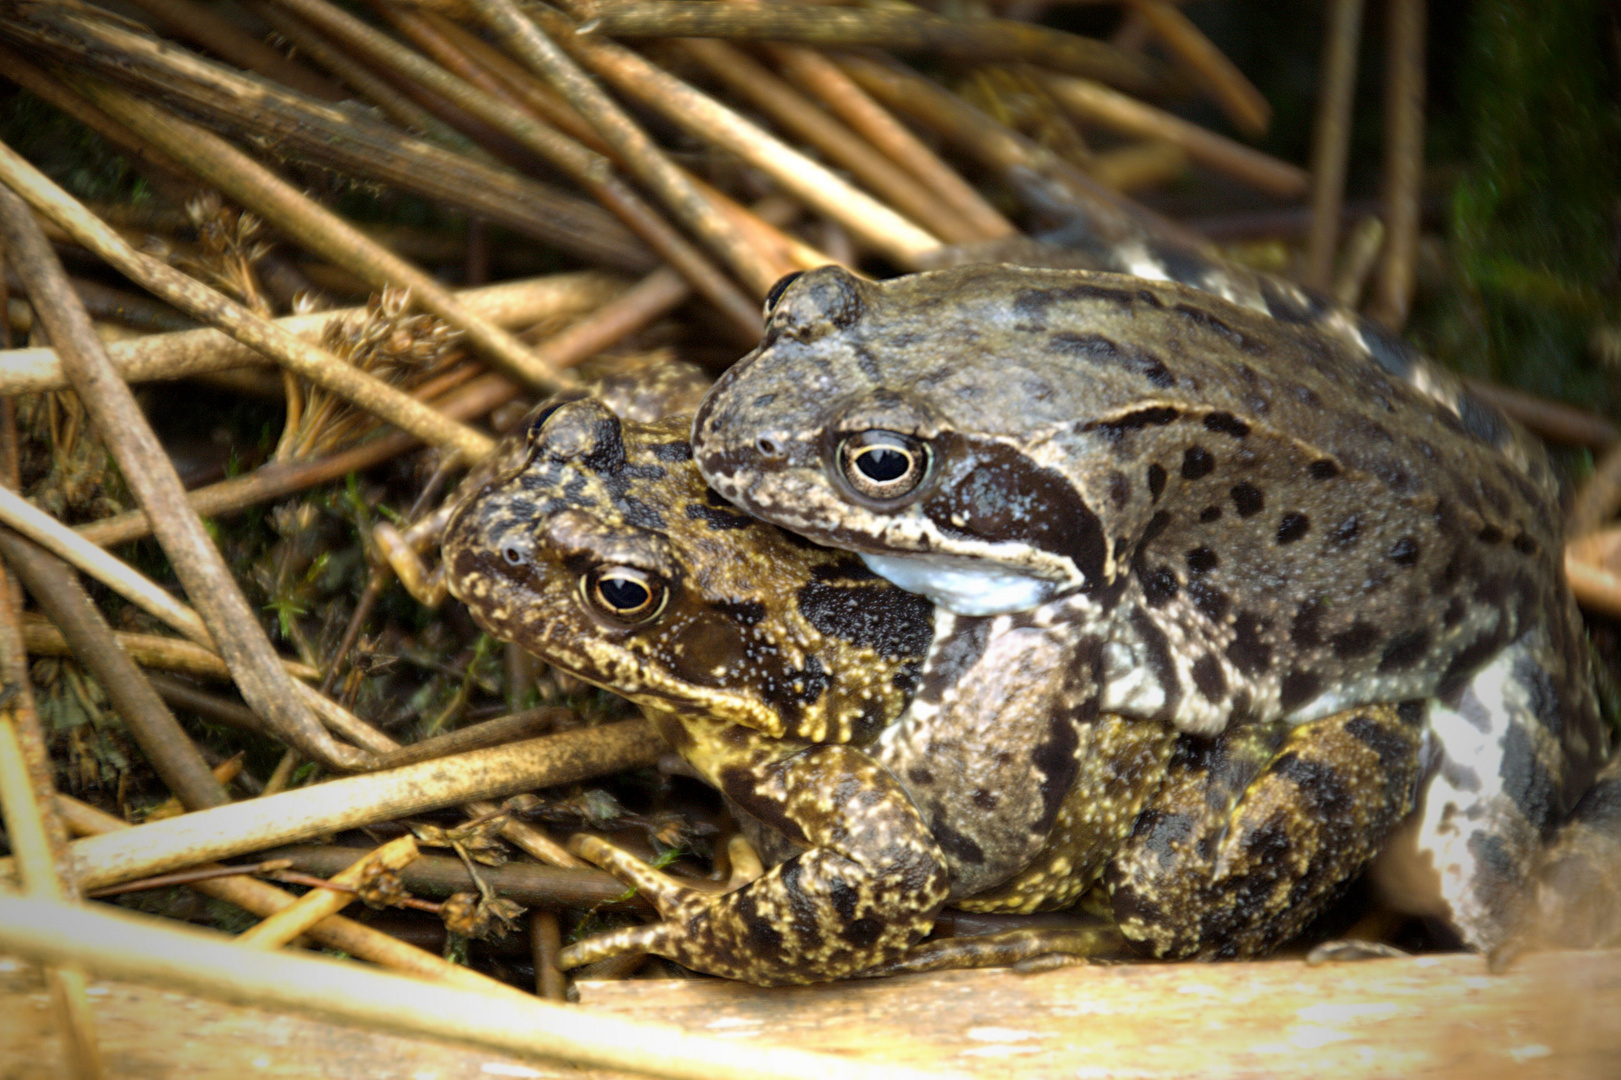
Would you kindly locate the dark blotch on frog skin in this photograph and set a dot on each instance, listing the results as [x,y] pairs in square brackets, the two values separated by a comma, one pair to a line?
[1201,560]
[1292,527]
[1248,499]
[1345,532]
[1197,462]
[1323,469]
[1158,649]
[1121,426]
[1101,351]
[1248,652]
[1156,480]
[1007,497]
[1226,424]
[717,518]
[891,622]
[1404,552]
[1210,600]
[1297,688]
[1209,678]
[1405,650]
[1160,586]
[1356,641]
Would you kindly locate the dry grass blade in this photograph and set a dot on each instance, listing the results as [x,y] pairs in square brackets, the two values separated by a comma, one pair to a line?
[144,950]
[186,293]
[640,154]
[359,800]
[1331,139]
[241,178]
[263,899]
[873,223]
[161,738]
[178,354]
[1238,97]
[1404,161]
[142,459]
[900,30]
[201,25]
[318,904]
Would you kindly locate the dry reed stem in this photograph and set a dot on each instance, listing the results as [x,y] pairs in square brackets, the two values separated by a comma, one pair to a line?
[1552,420]
[161,738]
[141,458]
[1404,161]
[633,309]
[545,940]
[530,884]
[150,650]
[588,168]
[754,82]
[497,74]
[145,950]
[480,93]
[263,899]
[1244,105]
[870,221]
[1098,104]
[1331,139]
[1139,165]
[1596,588]
[401,109]
[189,295]
[317,904]
[177,354]
[818,75]
[512,727]
[640,154]
[34,832]
[351,801]
[201,26]
[316,228]
[978,39]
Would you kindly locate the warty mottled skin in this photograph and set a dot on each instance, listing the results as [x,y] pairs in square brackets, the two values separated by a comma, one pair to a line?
[1240,504]
[887,757]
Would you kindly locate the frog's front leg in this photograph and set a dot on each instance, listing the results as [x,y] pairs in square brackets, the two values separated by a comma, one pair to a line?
[867,884]
[1256,830]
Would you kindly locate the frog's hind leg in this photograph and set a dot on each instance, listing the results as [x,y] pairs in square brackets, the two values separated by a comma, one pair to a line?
[1504,772]
[866,884]
[1576,897]
[1256,830]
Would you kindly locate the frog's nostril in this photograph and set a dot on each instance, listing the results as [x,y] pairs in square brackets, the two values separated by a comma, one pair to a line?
[768,446]
[512,553]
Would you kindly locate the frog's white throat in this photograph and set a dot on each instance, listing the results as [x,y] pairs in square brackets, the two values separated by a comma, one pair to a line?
[963,586]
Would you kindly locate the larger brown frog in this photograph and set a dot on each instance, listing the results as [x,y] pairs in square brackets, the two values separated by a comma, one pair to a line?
[891,757]
[1245,510]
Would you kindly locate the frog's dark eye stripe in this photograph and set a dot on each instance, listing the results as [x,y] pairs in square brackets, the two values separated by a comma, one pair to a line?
[624,594]
[778,289]
[883,464]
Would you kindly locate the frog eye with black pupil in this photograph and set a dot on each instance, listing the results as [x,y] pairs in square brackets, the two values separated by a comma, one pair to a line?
[624,594]
[778,289]
[883,465]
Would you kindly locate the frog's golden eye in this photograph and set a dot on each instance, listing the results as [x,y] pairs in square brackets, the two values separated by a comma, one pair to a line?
[883,464]
[778,289]
[624,594]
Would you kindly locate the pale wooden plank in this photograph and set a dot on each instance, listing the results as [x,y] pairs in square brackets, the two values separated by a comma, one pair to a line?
[1555,1015]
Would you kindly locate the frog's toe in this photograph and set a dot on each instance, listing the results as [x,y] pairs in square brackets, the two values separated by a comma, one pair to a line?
[670,898]
[630,939]
[1024,950]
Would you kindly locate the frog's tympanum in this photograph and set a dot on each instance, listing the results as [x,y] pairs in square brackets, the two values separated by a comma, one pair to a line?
[1229,511]
[889,757]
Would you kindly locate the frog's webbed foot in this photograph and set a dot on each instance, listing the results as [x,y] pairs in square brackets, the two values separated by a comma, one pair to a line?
[1024,950]
[1256,830]
[866,886]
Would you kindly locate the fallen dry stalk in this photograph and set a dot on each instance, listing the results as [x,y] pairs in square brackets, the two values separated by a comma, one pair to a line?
[150,650]
[161,738]
[145,950]
[316,228]
[530,884]
[1404,161]
[898,30]
[145,465]
[318,904]
[178,354]
[1237,96]
[189,295]
[1331,140]
[358,800]
[263,899]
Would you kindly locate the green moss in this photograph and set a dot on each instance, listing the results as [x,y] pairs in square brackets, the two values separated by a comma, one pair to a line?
[1533,221]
